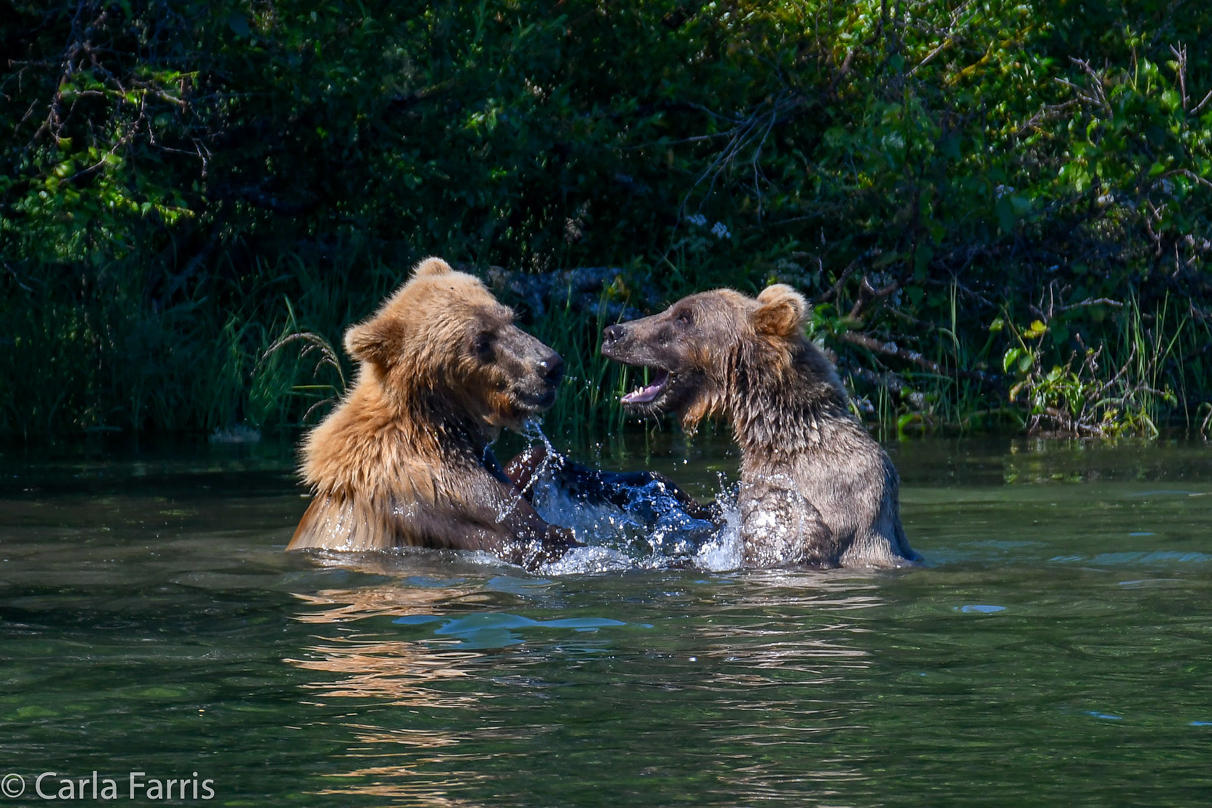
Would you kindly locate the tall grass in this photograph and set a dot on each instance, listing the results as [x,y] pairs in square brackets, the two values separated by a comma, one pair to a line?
[588,404]
[260,345]
[104,358]
[1133,380]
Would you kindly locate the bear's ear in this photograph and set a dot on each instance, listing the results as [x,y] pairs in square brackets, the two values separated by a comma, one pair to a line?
[780,312]
[431,267]
[375,340]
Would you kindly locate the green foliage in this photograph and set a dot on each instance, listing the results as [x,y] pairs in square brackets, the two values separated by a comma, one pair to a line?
[1121,387]
[183,183]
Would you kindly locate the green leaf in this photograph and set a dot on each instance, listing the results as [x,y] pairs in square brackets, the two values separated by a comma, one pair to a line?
[1005,215]
[237,23]
[937,231]
[921,262]
[886,259]
[1035,330]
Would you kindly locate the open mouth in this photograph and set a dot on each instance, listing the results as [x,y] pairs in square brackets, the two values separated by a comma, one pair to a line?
[645,395]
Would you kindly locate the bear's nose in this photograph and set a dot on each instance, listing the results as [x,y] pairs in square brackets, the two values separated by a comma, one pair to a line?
[612,334]
[552,368]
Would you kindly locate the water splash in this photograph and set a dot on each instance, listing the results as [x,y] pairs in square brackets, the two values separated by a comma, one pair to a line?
[652,531]
[532,430]
[588,560]
[725,551]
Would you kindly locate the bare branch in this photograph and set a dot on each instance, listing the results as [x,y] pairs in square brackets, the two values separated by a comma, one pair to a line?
[1201,104]
[1090,301]
[832,291]
[913,357]
[1180,54]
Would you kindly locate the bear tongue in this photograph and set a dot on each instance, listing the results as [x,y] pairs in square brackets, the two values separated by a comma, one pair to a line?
[646,394]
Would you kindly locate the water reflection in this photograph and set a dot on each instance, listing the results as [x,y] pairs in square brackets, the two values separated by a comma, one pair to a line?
[430,793]
[391,600]
[366,666]
[438,723]
[374,667]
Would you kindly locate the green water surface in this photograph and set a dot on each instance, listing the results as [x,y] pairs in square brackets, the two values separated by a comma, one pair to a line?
[1055,650]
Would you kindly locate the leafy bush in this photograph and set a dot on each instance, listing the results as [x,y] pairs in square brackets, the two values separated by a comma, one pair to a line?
[180,175]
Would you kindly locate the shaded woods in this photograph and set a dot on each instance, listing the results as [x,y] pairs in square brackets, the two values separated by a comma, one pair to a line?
[1000,210]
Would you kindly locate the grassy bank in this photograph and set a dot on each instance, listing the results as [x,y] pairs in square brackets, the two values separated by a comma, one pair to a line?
[270,357]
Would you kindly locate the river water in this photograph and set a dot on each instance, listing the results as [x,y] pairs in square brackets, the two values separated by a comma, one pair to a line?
[1056,648]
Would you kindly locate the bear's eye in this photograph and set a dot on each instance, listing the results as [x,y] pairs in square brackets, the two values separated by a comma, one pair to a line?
[481,345]
[684,318]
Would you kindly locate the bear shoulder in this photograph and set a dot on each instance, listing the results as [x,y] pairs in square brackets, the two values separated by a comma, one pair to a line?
[364,446]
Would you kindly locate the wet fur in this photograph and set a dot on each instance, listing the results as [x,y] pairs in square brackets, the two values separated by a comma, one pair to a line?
[816,489]
[405,458]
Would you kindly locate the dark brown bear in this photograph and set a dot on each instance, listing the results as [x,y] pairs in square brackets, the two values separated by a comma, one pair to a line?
[815,488]
[405,458]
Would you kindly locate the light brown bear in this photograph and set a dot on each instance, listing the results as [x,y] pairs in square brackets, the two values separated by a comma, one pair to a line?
[405,459]
[816,489]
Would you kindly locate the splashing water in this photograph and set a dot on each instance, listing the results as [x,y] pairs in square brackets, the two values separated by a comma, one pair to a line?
[725,551]
[587,560]
[532,429]
[615,540]
[653,530]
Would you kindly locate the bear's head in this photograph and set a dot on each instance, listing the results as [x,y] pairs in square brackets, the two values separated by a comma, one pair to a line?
[693,348]
[443,341]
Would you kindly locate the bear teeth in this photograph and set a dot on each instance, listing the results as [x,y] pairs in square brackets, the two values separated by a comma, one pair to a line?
[646,394]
